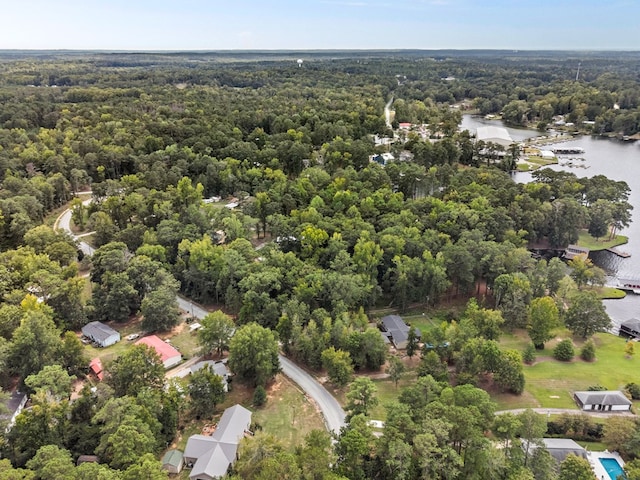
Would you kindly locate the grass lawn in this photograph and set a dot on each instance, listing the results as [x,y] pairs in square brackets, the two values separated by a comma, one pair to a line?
[110,353]
[610,293]
[587,241]
[288,415]
[549,383]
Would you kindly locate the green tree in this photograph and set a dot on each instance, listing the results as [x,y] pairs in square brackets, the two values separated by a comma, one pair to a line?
[338,365]
[138,368]
[564,350]
[584,272]
[160,310]
[412,342]
[259,396]
[575,468]
[127,444]
[206,390]
[146,467]
[543,318]
[395,369]
[432,364]
[253,354]
[529,354]
[533,427]
[588,351]
[617,434]
[508,374]
[586,315]
[35,343]
[361,397]
[52,461]
[216,332]
[53,381]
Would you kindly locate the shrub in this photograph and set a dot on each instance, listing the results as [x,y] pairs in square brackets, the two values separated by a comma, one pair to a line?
[529,354]
[634,390]
[596,388]
[259,396]
[564,351]
[588,352]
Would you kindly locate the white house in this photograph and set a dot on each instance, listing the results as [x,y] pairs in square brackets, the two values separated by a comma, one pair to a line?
[606,401]
[497,135]
[101,334]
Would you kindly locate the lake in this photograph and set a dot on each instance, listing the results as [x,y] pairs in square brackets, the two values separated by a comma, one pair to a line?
[616,160]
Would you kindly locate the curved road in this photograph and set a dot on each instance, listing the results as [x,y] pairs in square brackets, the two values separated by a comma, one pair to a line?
[331,410]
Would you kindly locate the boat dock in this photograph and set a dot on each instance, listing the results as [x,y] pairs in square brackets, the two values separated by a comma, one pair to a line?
[619,253]
[567,150]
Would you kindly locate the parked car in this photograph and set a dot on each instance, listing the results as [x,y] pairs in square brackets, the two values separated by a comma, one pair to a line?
[133,336]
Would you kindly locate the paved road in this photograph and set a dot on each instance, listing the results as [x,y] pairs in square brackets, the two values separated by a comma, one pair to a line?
[64,223]
[331,410]
[573,411]
[329,406]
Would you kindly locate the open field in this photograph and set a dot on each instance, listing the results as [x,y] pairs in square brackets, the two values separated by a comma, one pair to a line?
[287,415]
[587,241]
[549,383]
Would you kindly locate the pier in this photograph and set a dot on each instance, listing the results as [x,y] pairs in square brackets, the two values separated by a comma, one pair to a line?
[567,150]
[619,253]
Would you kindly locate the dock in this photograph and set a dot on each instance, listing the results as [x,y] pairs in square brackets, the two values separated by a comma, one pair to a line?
[567,150]
[619,253]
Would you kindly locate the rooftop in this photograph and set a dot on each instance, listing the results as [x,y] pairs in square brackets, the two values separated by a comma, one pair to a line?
[165,350]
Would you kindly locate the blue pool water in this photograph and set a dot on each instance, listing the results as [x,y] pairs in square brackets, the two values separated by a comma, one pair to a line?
[613,468]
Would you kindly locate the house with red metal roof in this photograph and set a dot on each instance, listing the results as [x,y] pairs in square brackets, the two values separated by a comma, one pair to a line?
[96,368]
[170,356]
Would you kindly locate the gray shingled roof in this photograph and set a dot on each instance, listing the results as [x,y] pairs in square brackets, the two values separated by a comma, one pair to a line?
[609,397]
[560,448]
[397,328]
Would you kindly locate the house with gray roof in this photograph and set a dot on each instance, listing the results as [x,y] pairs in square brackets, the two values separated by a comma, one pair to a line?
[560,448]
[210,457]
[605,401]
[397,331]
[630,328]
[101,334]
[219,368]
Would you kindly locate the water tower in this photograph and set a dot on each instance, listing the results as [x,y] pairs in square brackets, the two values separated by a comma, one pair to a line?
[299,62]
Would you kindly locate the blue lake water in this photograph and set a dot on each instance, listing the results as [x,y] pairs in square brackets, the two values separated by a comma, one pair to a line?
[616,160]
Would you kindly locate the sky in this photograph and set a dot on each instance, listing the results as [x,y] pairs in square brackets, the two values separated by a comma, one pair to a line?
[320,24]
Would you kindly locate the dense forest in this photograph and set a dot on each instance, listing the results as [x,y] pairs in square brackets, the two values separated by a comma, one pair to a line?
[245,182]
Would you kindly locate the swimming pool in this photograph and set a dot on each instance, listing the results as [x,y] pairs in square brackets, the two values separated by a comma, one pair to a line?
[613,468]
